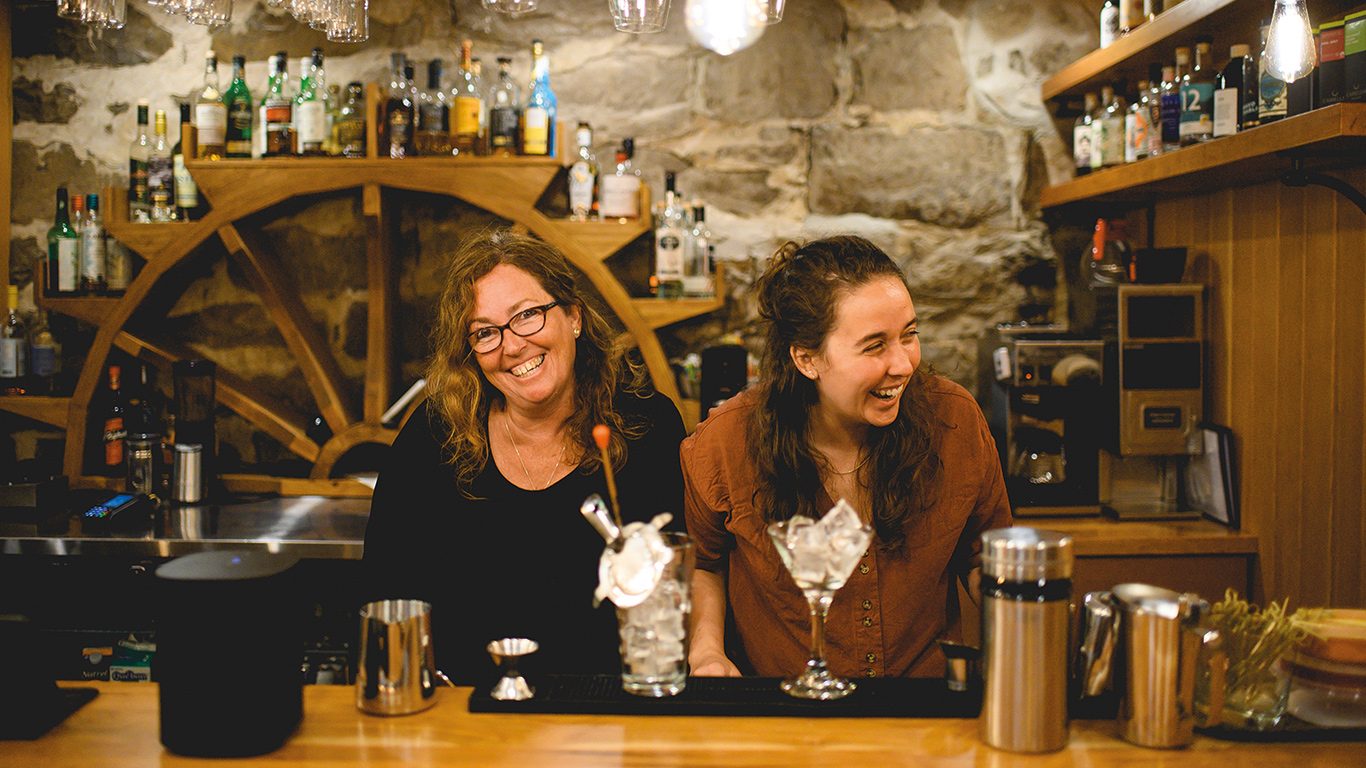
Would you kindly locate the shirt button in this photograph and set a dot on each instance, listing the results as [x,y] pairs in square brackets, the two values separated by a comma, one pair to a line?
[867,621]
[869,672]
[863,568]
[872,657]
[867,605]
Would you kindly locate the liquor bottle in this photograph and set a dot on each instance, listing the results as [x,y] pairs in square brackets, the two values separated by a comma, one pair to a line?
[118,265]
[161,163]
[13,348]
[139,201]
[505,112]
[1131,15]
[310,106]
[351,122]
[43,357]
[1109,23]
[482,146]
[238,100]
[433,136]
[1107,147]
[619,191]
[63,251]
[78,223]
[467,104]
[93,250]
[114,430]
[1083,135]
[1171,110]
[398,113]
[1240,73]
[1154,101]
[583,176]
[1136,126]
[277,108]
[189,205]
[210,113]
[671,229]
[697,265]
[538,118]
[1273,102]
[1197,98]
[332,146]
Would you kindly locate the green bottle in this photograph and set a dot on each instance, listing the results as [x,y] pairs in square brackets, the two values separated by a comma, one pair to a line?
[63,251]
[238,100]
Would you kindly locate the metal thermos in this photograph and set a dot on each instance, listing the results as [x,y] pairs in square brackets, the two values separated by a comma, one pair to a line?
[1026,607]
[187,474]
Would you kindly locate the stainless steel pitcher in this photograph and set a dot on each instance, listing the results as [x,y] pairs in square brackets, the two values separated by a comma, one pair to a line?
[1154,645]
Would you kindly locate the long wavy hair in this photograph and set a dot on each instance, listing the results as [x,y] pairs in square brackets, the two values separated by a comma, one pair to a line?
[463,397]
[799,295]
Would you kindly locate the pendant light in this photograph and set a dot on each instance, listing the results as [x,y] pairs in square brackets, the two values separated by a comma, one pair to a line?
[1290,52]
[726,26]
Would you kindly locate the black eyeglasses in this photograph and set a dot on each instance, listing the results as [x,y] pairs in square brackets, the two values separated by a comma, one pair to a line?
[524,323]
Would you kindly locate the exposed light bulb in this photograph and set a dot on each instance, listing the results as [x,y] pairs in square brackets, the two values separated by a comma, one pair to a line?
[1290,52]
[726,26]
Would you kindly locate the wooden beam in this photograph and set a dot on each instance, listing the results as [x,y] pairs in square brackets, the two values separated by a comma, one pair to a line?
[382,303]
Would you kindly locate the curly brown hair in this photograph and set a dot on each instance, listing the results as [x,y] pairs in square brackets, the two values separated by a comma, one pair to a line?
[799,295]
[458,389]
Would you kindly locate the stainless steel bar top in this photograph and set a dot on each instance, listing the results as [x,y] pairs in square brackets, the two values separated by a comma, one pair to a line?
[306,526]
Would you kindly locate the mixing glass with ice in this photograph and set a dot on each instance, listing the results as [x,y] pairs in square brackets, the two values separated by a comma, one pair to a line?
[820,555]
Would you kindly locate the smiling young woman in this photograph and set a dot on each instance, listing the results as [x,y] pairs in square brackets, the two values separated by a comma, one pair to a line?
[845,409]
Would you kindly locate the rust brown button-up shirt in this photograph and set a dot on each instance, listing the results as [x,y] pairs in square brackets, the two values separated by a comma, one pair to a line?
[886,618]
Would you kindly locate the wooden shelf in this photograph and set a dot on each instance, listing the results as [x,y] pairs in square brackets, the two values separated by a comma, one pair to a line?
[88,309]
[1327,138]
[49,410]
[1102,536]
[602,239]
[147,240]
[659,313]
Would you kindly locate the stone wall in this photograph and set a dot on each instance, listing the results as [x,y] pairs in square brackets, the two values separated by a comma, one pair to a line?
[916,123]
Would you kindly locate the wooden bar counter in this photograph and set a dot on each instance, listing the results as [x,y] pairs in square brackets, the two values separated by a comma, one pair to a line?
[120,728]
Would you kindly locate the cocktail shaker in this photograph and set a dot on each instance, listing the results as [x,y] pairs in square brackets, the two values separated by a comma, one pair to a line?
[1026,607]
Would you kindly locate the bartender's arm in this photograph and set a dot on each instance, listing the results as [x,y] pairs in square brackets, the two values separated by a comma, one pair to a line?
[708,655]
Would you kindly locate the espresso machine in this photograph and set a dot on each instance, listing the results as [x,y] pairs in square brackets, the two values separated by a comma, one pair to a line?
[1042,411]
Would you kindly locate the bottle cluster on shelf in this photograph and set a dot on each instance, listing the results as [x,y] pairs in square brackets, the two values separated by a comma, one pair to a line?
[82,258]
[683,247]
[1120,17]
[136,432]
[1190,102]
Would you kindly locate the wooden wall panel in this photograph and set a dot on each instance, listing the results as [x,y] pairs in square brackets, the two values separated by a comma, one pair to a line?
[1285,271]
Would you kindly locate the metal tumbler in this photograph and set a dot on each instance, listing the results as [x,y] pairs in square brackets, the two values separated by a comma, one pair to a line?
[1026,608]
[397,671]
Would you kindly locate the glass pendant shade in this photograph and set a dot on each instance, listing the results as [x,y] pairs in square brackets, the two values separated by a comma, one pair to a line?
[726,26]
[1290,52]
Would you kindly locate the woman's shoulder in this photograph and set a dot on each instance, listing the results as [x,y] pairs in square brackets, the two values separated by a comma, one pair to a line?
[949,396]
[727,424]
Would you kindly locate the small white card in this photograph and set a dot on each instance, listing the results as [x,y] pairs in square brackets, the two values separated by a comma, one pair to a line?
[1226,112]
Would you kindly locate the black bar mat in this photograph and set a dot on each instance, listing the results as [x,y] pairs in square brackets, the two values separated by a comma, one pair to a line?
[37,721]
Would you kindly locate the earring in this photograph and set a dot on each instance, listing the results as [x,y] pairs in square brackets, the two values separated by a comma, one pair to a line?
[576,333]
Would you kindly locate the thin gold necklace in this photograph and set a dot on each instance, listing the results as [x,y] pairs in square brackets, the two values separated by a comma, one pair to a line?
[831,467]
[525,471]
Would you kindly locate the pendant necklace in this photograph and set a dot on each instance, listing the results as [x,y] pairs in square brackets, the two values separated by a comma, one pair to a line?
[527,472]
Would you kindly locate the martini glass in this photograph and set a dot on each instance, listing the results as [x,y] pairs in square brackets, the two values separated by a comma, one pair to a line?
[820,555]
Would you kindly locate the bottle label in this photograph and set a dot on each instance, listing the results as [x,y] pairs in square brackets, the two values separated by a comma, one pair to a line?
[68,263]
[619,197]
[186,191]
[581,179]
[114,433]
[1081,145]
[312,123]
[238,139]
[668,254]
[1225,111]
[44,360]
[160,173]
[11,358]
[137,182]
[1155,125]
[92,254]
[1197,110]
[1272,101]
[118,265]
[1136,135]
[400,132]
[212,121]
[536,134]
[466,117]
[503,127]
[278,114]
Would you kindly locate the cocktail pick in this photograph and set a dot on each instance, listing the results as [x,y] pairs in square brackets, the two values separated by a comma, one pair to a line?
[602,436]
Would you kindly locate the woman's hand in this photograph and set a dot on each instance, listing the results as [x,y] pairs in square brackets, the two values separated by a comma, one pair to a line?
[712,664]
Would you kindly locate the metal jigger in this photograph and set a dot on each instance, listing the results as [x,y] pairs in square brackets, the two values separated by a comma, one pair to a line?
[505,653]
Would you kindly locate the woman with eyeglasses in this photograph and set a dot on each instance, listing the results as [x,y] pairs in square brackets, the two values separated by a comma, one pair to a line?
[477,508]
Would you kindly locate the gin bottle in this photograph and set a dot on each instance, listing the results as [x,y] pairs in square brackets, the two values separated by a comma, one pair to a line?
[583,176]
[697,265]
[1083,135]
[139,201]
[1197,98]
[670,231]
[1136,126]
[210,113]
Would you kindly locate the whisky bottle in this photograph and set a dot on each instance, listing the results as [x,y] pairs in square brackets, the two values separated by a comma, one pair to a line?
[139,202]
[583,176]
[433,136]
[93,251]
[277,107]
[310,106]
[697,265]
[398,113]
[238,100]
[63,251]
[467,104]
[351,122]
[1197,98]
[670,230]
[210,113]
[619,191]
[538,118]
[505,111]
[114,431]
[13,347]
[160,163]
[1083,135]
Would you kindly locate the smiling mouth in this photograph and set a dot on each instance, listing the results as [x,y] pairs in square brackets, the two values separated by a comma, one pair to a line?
[528,366]
[888,394]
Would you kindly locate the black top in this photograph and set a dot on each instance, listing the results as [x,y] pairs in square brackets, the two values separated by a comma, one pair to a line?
[512,562]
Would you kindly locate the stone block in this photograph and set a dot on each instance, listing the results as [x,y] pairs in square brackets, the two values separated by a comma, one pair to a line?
[916,68]
[626,81]
[35,103]
[790,72]
[951,175]
[37,172]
